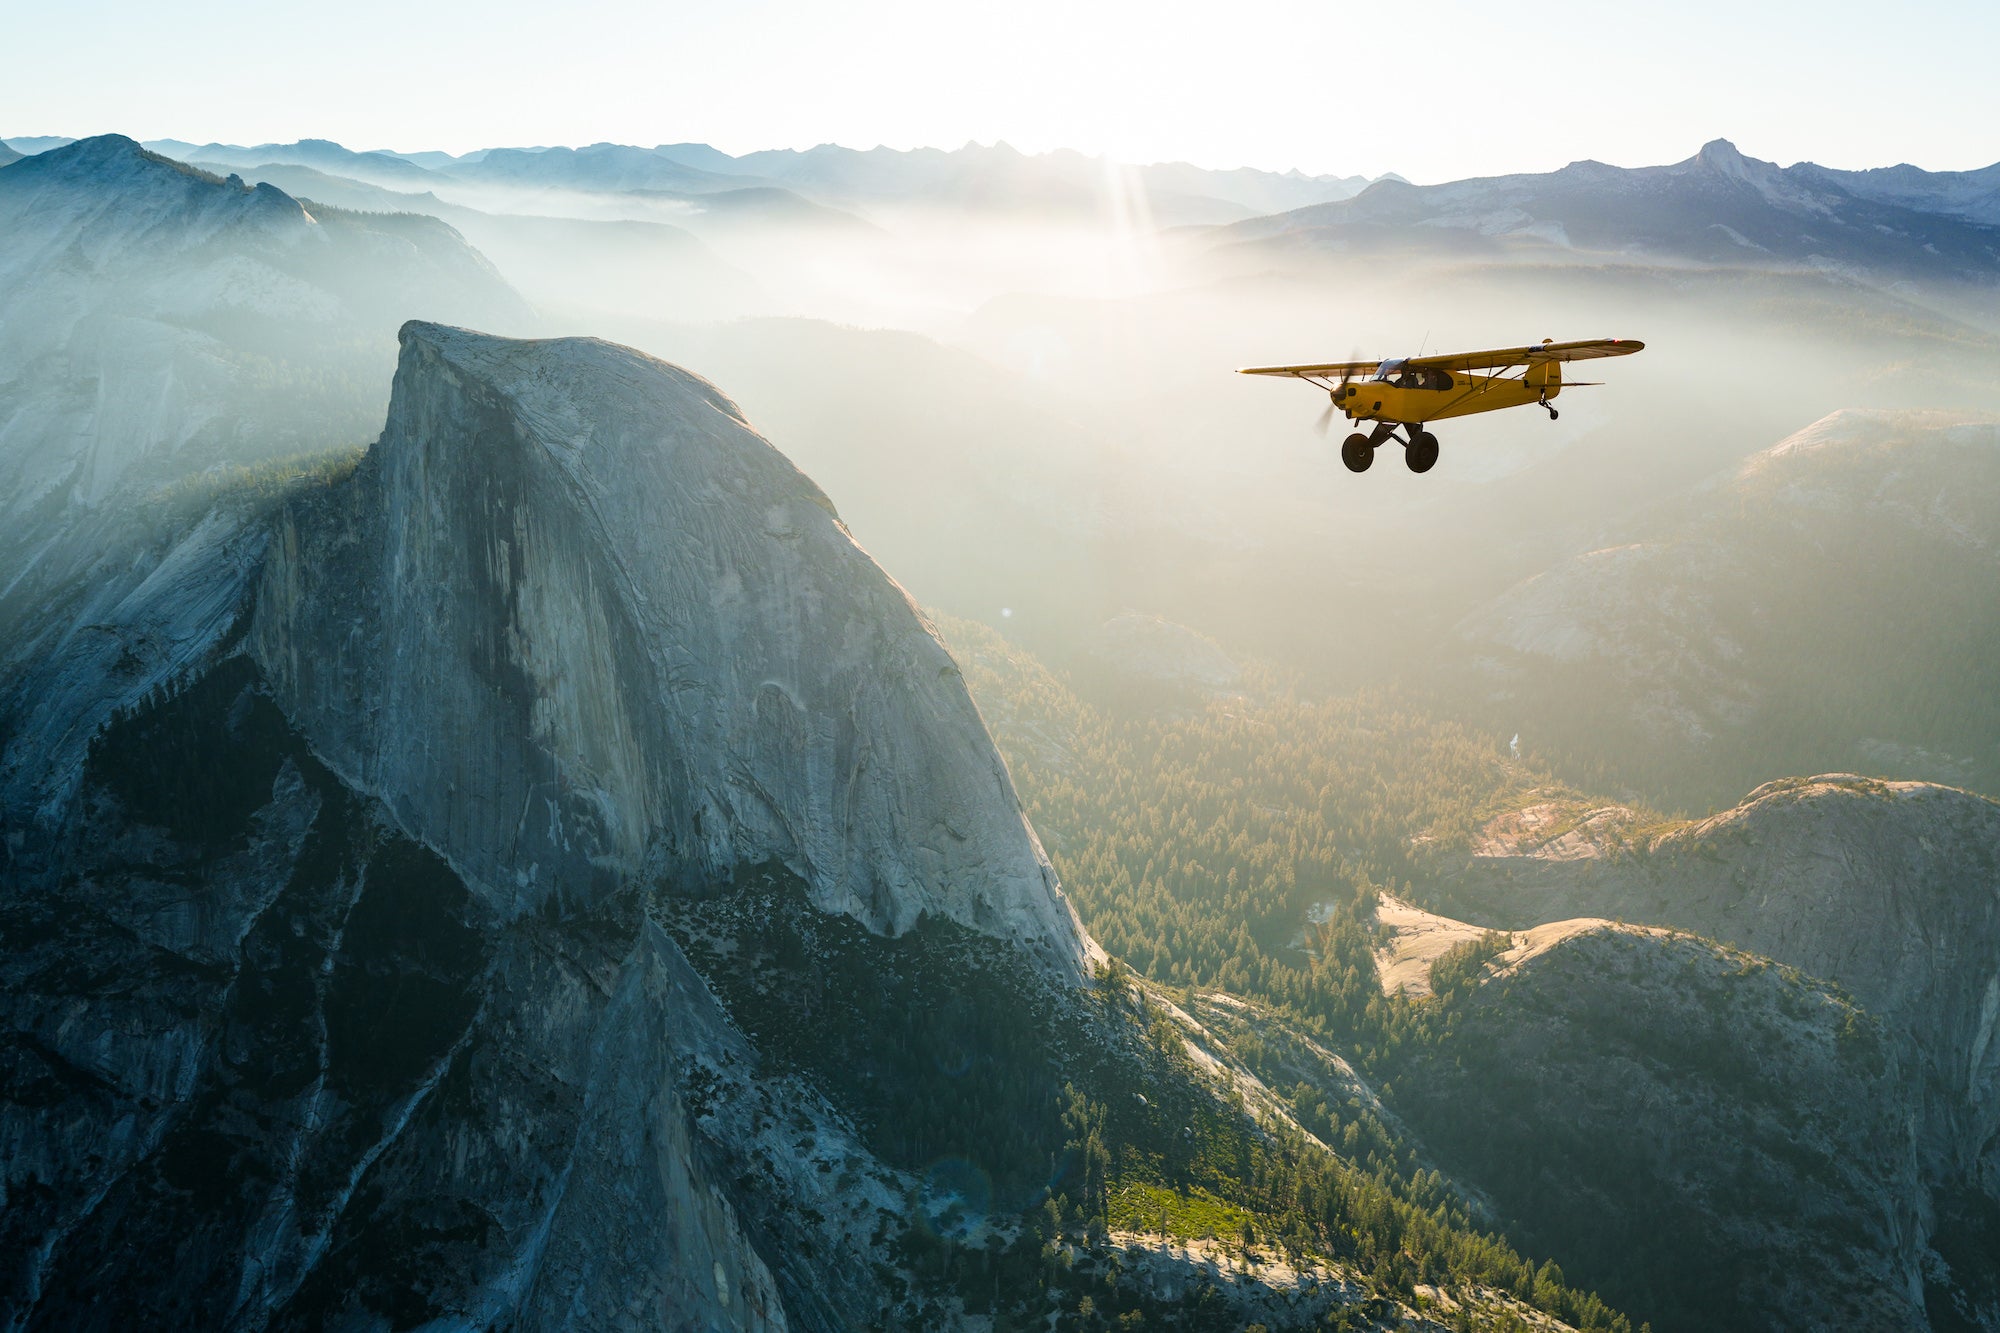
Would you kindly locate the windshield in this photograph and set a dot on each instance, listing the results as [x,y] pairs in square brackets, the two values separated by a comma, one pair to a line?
[1388,370]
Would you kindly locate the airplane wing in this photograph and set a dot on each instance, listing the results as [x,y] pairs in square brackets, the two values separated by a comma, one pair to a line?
[1590,349]
[1333,370]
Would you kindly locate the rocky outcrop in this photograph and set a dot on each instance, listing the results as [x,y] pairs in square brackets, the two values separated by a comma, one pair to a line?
[576,624]
[1889,889]
[330,992]
[266,1070]
[1712,1141]
[178,351]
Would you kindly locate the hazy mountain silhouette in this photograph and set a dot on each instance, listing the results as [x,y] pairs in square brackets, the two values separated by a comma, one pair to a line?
[1716,207]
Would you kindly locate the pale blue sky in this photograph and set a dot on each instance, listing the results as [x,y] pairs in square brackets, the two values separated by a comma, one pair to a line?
[1435,91]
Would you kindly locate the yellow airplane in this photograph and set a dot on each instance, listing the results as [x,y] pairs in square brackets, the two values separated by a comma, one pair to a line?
[1410,391]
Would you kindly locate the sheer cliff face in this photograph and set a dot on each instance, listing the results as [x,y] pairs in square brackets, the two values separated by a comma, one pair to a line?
[264,1069]
[166,335]
[335,989]
[574,623]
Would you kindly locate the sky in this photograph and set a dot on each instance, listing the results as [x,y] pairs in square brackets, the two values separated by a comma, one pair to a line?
[1436,91]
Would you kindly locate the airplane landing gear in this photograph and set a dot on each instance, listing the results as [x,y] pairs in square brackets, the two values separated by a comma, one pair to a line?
[1421,453]
[1549,408]
[1357,451]
[1420,447]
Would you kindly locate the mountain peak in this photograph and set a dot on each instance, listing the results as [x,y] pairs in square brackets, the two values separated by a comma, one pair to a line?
[112,167]
[1723,158]
[98,151]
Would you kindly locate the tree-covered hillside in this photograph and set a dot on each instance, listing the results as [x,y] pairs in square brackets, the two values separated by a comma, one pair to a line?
[1236,841]
[1233,847]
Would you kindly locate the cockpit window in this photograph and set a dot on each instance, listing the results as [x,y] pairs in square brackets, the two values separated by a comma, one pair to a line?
[1405,376]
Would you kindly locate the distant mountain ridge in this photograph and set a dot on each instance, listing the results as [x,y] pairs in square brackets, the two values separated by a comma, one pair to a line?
[113,247]
[1972,195]
[974,176]
[323,154]
[1716,207]
[984,174]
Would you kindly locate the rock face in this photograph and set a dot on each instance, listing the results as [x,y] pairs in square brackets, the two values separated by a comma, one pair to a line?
[333,992]
[265,1070]
[1717,1142]
[574,621]
[175,350]
[1889,889]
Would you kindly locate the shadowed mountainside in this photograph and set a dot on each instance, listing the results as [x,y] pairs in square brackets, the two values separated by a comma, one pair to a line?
[1825,606]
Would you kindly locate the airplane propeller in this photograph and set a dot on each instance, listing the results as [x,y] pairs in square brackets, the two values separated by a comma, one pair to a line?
[1333,400]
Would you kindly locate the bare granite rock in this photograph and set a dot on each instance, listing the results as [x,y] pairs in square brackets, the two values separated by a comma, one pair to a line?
[1712,1141]
[576,623]
[1890,890]
[329,996]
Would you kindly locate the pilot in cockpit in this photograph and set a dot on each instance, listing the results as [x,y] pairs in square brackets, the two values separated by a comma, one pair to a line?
[1403,375]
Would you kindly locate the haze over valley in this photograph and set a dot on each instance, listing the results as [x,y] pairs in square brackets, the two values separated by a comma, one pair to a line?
[638,736]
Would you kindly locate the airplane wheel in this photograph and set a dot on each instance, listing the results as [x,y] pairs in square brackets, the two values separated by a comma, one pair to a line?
[1356,452]
[1421,453]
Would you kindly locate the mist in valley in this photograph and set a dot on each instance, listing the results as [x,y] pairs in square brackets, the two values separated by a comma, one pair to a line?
[1029,416]
[1013,376]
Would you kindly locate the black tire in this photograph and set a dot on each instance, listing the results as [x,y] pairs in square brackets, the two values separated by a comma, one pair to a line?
[1357,452]
[1421,453]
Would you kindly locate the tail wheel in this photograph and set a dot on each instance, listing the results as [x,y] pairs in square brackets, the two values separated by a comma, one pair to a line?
[1357,452]
[1421,453]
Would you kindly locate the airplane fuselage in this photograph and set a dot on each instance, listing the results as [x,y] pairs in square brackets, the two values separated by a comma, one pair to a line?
[1467,393]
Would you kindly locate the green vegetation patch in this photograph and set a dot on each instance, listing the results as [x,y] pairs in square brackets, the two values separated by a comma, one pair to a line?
[1193,1214]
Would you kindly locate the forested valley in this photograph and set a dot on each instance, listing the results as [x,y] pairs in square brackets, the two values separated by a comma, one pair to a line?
[1237,843]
